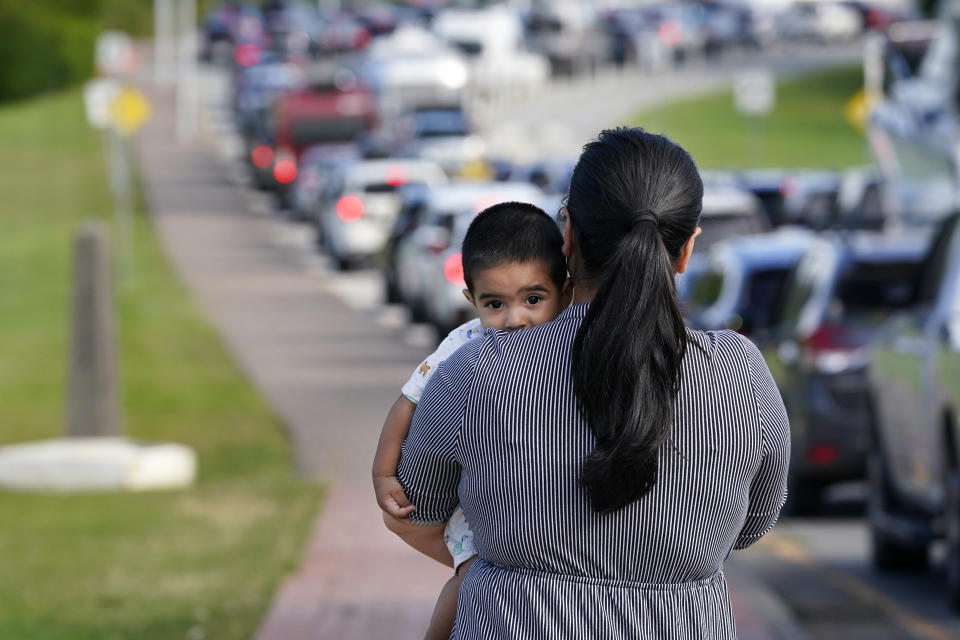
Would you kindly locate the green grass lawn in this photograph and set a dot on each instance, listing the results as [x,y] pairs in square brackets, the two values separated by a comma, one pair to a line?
[199,563]
[806,129]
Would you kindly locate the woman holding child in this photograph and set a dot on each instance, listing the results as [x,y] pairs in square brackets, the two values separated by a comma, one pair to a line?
[607,462]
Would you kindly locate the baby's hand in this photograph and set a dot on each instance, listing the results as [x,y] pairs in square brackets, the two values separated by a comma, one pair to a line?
[391,498]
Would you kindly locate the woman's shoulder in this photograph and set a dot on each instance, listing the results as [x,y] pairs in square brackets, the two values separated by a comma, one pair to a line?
[723,345]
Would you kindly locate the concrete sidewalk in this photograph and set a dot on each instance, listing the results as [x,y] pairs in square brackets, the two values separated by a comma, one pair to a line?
[329,372]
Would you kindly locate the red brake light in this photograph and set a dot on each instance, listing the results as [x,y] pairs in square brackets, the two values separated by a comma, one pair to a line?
[285,171]
[396,176]
[669,34]
[360,40]
[262,157]
[823,454]
[350,208]
[453,270]
[246,55]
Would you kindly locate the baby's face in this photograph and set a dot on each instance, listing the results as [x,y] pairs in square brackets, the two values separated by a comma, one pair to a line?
[516,295]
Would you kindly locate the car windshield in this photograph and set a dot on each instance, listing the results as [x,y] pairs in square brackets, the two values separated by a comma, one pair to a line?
[432,124]
[306,132]
[469,47]
[704,291]
[870,290]
[864,293]
[759,301]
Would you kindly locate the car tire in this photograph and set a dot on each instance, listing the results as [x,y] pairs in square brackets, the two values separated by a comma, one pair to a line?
[887,552]
[343,264]
[805,497]
[952,517]
[392,292]
[418,312]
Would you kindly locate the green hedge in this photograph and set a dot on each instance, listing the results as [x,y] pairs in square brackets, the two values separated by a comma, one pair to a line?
[48,44]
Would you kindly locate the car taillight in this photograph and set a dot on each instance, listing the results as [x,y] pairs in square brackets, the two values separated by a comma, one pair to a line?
[360,40]
[823,454]
[247,55]
[877,20]
[262,156]
[669,34]
[285,171]
[831,349]
[453,270]
[396,176]
[350,208]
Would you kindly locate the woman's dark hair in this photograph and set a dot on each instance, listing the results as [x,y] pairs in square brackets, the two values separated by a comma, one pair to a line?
[635,200]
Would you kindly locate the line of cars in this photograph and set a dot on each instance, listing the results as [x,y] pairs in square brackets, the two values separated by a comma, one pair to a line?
[858,313]
[861,330]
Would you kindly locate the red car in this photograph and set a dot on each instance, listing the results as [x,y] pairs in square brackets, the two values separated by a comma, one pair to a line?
[332,109]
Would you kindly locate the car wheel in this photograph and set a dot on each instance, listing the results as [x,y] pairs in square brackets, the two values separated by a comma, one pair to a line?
[418,312]
[392,292]
[805,497]
[952,514]
[343,264]
[887,553]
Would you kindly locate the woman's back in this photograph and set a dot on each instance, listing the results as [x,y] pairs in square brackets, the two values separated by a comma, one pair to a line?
[523,442]
[500,432]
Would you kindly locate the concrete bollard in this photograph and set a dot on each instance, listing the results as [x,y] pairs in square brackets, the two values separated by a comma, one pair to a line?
[92,403]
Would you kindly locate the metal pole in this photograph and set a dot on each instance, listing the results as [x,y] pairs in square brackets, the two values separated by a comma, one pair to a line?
[122,186]
[873,46]
[187,110]
[163,41]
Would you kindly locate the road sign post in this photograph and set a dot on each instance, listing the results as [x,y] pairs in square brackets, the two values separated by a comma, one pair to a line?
[164,50]
[754,96]
[187,106]
[119,110]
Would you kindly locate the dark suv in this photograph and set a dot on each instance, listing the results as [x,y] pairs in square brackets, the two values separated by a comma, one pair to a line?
[915,453]
[838,297]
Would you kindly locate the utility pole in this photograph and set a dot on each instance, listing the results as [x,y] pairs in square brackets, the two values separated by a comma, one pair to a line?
[164,50]
[187,109]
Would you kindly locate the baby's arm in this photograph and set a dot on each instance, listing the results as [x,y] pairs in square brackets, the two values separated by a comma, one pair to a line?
[427,539]
[390,495]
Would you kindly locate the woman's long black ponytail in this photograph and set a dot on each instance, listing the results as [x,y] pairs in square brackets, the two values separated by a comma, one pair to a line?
[635,199]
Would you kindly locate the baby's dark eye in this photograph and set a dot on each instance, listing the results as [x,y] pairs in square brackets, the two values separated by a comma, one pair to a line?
[495,304]
[534,299]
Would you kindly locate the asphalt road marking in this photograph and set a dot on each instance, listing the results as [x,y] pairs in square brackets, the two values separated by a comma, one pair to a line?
[917,625]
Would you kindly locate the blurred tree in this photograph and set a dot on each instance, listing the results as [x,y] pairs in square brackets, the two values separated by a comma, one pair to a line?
[48,44]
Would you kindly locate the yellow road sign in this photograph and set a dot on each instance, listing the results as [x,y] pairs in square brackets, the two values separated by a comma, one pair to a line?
[857,109]
[129,111]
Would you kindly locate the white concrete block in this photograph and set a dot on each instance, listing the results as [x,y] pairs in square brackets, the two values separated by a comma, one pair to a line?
[96,464]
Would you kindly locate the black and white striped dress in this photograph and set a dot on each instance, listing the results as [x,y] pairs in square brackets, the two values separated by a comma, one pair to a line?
[497,430]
